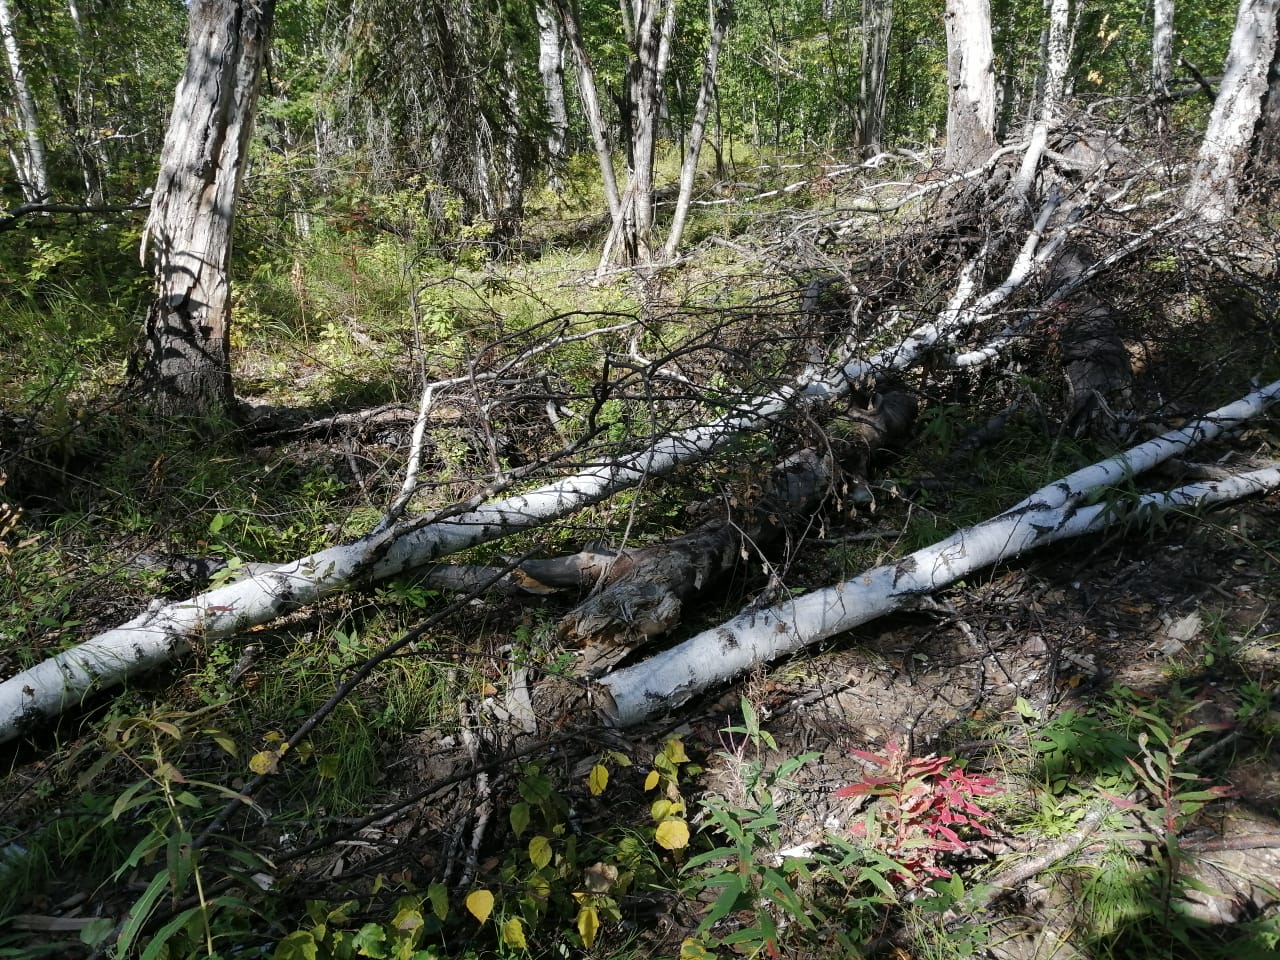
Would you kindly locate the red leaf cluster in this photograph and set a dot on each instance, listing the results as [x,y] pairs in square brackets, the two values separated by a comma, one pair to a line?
[931,807]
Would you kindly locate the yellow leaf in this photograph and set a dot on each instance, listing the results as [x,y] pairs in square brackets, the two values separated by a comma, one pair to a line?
[659,810]
[675,751]
[672,834]
[588,925]
[513,934]
[264,761]
[651,780]
[539,852]
[480,903]
[694,950]
[598,779]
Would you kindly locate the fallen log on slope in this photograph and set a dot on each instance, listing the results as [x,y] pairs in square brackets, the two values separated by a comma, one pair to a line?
[643,591]
[166,631]
[1055,512]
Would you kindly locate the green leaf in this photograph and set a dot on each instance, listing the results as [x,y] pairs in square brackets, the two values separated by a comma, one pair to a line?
[734,888]
[370,941]
[299,945]
[539,852]
[408,921]
[438,894]
[96,931]
[521,813]
[140,912]
[160,940]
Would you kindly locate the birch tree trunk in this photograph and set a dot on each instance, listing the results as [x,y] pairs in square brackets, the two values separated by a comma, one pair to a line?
[654,24]
[1054,512]
[551,69]
[567,12]
[186,366]
[28,154]
[1051,89]
[877,26]
[1266,144]
[1161,60]
[971,95]
[722,11]
[1214,188]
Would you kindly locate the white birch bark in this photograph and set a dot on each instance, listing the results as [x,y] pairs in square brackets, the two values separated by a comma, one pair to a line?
[551,69]
[971,97]
[28,156]
[567,13]
[186,364]
[1161,60]
[1054,512]
[1214,185]
[1052,86]
[655,22]
[167,631]
[722,11]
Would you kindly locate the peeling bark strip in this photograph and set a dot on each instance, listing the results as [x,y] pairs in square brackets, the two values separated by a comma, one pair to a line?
[1054,512]
[186,364]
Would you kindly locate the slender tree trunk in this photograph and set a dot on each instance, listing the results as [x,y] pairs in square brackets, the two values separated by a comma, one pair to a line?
[1236,110]
[1057,59]
[28,156]
[971,97]
[551,69]
[722,13]
[1161,60]
[655,22]
[567,11]
[877,27]
[185,366]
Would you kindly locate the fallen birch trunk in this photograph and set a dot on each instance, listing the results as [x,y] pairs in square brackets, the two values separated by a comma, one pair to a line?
[166,631]
[1054,512]
[641,594]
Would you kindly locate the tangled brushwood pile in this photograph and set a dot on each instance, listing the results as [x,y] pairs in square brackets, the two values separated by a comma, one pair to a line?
[852,414]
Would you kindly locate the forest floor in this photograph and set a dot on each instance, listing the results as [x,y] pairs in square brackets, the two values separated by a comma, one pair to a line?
[1119,693]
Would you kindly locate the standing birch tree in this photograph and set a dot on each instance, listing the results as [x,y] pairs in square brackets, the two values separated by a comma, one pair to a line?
[1214,188]
[185,367]
[648,28]
[971,79]
[551,70]
[721,11]
[26,152]
[1161,60]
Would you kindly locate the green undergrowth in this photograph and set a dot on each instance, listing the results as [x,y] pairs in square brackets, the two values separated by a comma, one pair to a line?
[587,846]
